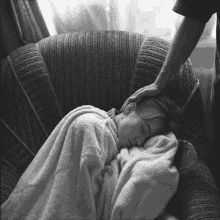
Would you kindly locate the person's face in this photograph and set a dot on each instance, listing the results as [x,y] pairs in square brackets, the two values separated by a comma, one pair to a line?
[135,128]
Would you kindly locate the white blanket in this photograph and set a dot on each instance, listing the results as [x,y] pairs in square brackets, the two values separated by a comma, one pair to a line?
[79,174]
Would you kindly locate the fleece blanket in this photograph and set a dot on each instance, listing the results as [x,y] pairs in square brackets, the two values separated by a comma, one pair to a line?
[79,173]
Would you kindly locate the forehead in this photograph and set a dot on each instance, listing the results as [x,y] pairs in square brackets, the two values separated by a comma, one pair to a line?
[151,117]
[151,111]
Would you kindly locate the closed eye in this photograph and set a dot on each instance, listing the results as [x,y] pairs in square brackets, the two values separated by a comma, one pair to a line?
[144,130]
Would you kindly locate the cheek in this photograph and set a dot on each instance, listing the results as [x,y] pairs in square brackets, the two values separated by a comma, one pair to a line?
[157,127]
[124,131]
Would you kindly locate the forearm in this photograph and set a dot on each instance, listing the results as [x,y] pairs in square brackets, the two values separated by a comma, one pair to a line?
[184,42]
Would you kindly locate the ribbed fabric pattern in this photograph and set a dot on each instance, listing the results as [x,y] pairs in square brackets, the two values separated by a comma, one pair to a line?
[150,60]
[9,179]
[95,67]
[17,115]
[31,73]
[30,112]
[197,196]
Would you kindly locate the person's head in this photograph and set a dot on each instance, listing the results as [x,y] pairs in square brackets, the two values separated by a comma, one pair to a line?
[145,118]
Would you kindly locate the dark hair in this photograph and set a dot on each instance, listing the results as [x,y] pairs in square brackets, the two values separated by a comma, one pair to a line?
[171,111]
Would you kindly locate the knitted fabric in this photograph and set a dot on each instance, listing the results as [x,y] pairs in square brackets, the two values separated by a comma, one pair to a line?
[30,111]
[182,88]
[193,198]
[95,67]
[41,84]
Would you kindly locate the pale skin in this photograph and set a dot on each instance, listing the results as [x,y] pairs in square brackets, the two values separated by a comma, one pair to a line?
[184,42]
[181,47]
[133,130]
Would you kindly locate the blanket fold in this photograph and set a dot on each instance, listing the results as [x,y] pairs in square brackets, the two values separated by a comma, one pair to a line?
[64,176]
[79,174]
[147,181]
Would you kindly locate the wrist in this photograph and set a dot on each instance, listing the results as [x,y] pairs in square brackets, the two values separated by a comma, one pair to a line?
[166,73]
[160,83]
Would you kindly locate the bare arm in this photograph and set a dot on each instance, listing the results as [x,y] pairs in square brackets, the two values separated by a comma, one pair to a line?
[182,45]
[184,42]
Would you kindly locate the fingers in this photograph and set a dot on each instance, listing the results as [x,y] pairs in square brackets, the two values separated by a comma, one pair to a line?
[138,94]
[150,90]
[125,104]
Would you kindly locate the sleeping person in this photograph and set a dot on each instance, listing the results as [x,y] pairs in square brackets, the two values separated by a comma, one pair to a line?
[103,165]
[146,118]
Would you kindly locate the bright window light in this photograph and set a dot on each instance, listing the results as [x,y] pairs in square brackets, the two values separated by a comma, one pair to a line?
[148,17]
[46,10]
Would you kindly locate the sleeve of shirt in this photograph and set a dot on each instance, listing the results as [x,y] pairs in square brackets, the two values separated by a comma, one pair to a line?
[198,10]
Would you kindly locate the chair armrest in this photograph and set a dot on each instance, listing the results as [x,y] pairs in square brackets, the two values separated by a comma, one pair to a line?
[197,195]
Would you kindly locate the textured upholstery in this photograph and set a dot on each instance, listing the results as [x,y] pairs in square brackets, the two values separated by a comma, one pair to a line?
[182,88]
[41,83]
[197,196]
[37,91]
[95,67]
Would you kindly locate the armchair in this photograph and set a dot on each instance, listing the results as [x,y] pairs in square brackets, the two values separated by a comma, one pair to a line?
[42,82]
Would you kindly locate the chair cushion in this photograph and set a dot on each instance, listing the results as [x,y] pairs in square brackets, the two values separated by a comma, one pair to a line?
[92,68]
[197,195]
[183,87]
[42,82]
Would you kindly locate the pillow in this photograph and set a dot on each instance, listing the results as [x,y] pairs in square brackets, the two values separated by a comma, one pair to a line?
[183,87]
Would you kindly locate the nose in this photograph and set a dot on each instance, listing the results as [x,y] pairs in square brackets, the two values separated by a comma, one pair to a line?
[139,140]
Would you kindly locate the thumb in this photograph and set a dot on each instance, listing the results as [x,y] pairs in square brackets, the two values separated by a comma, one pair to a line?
[136,96]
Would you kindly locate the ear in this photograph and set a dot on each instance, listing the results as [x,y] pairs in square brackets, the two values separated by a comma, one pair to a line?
[129,108]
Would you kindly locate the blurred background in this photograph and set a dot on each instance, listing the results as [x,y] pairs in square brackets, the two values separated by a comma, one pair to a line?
[147,17]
